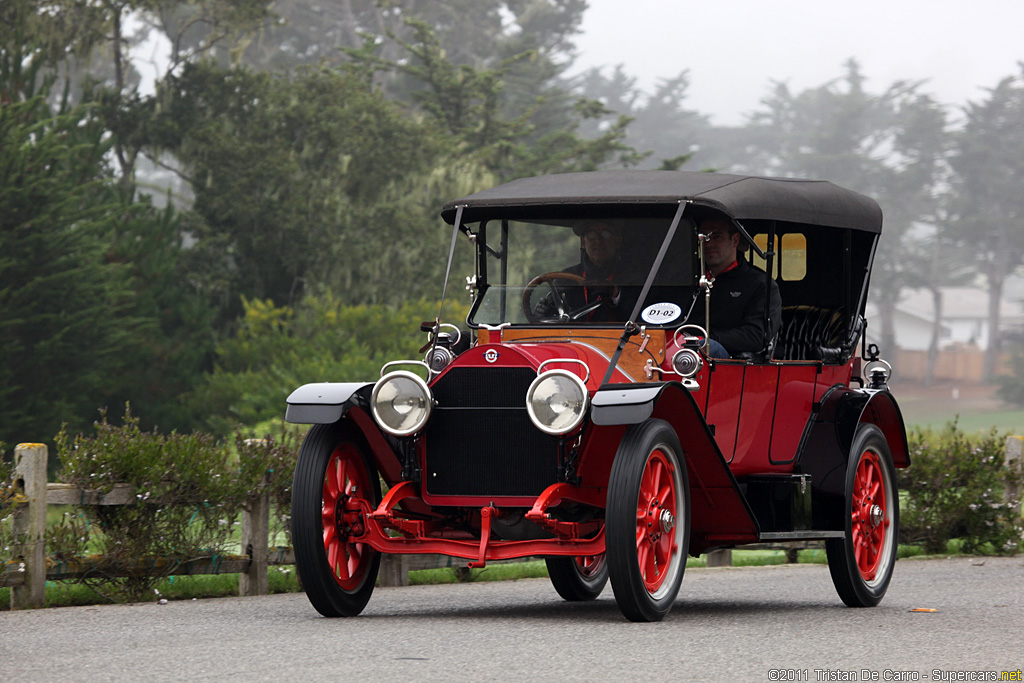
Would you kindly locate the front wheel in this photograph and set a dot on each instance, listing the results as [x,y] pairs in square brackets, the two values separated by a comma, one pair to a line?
[861,563]
[578,579]
[647,521]
[333,483]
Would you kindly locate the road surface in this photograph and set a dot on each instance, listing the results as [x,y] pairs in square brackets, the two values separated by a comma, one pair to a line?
[731,624]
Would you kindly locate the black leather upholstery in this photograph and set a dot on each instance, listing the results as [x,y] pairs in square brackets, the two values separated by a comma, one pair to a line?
[811,333]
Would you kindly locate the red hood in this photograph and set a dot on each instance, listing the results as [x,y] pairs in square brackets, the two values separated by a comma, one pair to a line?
[532,354]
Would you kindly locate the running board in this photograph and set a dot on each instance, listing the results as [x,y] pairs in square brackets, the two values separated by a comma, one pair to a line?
[798,535]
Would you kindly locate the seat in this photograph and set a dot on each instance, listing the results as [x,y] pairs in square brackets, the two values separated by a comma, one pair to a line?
[814,333]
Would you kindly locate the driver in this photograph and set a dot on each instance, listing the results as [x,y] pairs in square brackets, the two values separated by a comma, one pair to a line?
[600,265]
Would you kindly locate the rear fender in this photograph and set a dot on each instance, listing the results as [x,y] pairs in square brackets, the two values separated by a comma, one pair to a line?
[883,411]
[719,514]
[825,448]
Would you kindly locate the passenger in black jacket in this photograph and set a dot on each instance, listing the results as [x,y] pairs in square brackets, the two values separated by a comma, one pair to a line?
[737,296]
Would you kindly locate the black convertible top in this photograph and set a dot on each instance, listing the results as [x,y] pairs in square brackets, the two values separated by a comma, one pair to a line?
[814,202]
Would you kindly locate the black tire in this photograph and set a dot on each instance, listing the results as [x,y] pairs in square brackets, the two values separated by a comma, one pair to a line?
[340,586]
[578,579]
[647,521]
[862,562]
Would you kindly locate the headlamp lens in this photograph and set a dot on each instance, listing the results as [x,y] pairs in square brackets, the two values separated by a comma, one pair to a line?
[557,401]
[401,403]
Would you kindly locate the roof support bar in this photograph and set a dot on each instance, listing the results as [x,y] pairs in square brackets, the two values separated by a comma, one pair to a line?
[630,327]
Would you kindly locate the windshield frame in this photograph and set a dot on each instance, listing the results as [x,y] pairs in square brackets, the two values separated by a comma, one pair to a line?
[492,269]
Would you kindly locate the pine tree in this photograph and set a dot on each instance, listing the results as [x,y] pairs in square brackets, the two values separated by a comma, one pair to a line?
[66,320]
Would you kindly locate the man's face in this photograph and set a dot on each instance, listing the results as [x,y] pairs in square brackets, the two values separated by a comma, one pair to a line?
[601,243]
[720,247]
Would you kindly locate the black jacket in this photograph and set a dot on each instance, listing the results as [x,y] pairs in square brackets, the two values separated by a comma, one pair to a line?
[600,283]
[737,309]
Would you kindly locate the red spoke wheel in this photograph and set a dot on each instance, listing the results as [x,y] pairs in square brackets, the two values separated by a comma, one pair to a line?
[334,484]
[648,521]
[578,578]
[861,564]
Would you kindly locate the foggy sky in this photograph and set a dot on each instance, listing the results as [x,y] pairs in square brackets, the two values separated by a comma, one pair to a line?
[734,49]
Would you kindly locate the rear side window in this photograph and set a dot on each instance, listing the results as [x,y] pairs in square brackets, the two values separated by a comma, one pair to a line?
[790,256]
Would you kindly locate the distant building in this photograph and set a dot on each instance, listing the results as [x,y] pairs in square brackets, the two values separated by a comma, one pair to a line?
[964,320]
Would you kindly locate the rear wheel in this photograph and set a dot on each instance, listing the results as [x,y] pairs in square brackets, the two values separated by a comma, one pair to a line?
[332,475]
[578,578]
[647,521]
[861,564]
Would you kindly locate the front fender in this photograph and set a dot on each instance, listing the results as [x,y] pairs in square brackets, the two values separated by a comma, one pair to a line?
[326,402]
[624,404]
[720,515]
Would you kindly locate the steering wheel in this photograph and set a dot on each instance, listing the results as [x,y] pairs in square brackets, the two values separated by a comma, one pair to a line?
[563,313]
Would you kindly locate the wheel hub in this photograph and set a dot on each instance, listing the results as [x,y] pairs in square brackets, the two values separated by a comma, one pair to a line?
[339,516]
[657,517]
[348,518]
[875,516]
[668,521]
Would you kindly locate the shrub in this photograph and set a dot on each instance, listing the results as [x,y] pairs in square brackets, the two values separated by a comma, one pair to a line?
[187,496]
[277,349]
[6,474]
[6,509]
[955,488]
[266,464]
[1011,387]
[189,490]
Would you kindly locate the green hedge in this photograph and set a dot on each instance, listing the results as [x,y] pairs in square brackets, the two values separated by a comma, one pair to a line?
[190,489]
[955,488]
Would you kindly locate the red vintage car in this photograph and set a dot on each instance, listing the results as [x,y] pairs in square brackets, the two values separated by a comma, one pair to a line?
[585,420]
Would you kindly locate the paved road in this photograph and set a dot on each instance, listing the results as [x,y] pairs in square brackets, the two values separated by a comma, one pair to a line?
[728,625]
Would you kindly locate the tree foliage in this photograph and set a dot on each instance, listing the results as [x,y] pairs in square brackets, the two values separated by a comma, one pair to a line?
[297,179]
[66,310]
[666,133]
[476,107]
[278,348]
[40,37]
[314,142]
[95,304]
[888,145]
[987,207]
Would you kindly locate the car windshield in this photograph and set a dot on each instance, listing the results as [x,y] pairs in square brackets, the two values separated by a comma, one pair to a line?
[582,272]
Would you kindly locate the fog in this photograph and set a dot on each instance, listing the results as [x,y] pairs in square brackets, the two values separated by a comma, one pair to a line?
[734,50]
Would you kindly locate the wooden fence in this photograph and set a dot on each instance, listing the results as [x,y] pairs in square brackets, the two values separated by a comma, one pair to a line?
[962,364]
[28,573]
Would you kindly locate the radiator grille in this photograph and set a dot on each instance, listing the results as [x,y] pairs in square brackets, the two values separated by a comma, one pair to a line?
[480,441]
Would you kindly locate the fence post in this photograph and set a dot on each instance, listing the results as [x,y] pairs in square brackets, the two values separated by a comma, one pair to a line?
[30,524]
[394,570]
[719,558]
[1014,459]
[255,542]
